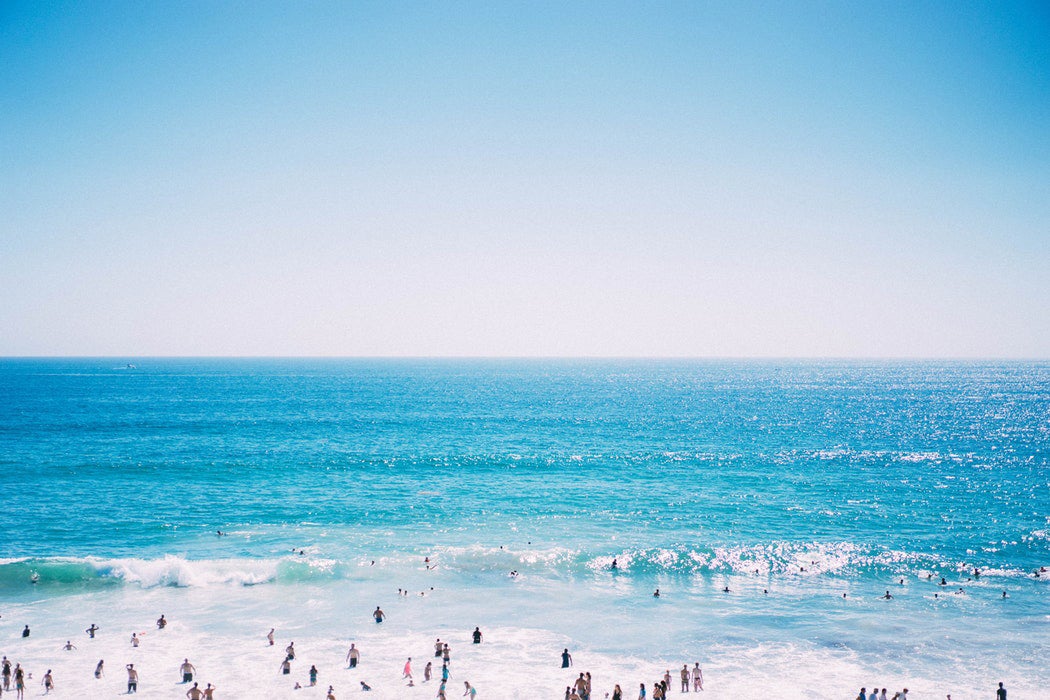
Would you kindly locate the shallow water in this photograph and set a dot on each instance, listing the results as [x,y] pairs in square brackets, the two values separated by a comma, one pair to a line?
[803,479]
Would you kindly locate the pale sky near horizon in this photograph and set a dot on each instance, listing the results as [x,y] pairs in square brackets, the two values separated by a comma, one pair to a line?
[830,179]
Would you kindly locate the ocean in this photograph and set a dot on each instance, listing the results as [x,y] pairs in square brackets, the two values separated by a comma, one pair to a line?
[808,489]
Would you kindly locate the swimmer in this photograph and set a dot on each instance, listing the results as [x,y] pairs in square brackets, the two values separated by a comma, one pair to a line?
[477,635]
[187,670]
[437,649]
[765,592]
[313,676]
[614,566]
[446,654]
[98,669]
[887,596]
[1004,594]
[378,615]
[943,582]
[269,636]
[656,593]
[352,655]
[289,651]
[365,686]
[286,667]
[566,659]
[91,630]
[726,589]
[25,632]
[69,646]
[134,640]
[161,623]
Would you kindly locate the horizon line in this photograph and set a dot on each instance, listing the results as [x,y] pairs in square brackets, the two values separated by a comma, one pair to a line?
[782,358]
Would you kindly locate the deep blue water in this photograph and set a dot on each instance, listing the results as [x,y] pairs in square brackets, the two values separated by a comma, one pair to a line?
[918,457]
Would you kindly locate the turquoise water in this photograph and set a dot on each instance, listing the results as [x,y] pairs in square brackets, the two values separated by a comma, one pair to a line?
[803,479]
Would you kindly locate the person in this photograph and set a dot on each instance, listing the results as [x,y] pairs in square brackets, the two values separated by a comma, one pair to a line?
[477,635]
[331,694]
[617,693]
[91,630]
[566,658]
[352,655]
[684,673]
[444,673]
[641,691]
[48,682]
[1000,694]
[887,596]
[365,686]
[289,651]
[187,670]
[194,693]
[407,671]
[161,622]
[134,640]
[378,615]
[286,666]
[20,681]
[313,675]
[69,646]
[133,679]
[437,649]
[470,691]
[269,636]
[25,632]
[6,672]
[874,694]
[698,677]
[656,593]
[428,671]
[98,669]
[441,691]
[209,692]
[726,589]
[446,654]
[882,695]
[667,678]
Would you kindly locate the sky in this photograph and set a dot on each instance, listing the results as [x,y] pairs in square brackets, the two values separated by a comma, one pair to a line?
[698,179]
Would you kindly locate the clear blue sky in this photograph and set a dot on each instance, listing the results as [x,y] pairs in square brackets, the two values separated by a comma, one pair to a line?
[698,179]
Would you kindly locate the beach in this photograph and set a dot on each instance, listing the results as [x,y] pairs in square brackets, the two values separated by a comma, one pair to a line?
[335,484]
